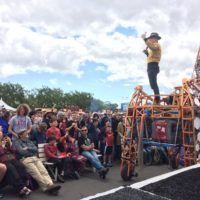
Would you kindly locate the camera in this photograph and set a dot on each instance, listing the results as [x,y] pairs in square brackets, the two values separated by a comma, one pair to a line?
[145,51]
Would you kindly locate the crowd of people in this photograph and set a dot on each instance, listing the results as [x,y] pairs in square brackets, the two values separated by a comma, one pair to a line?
[70,138]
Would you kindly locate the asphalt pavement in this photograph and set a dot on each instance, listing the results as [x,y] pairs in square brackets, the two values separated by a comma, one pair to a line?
[90,184]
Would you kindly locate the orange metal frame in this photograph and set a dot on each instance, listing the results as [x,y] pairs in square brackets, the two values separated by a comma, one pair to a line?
[182,108]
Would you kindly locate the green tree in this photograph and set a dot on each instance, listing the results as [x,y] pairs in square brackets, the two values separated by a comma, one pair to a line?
[96,105]
[47,97]
[81,99]
[31,99]
[110,106]
[12,94]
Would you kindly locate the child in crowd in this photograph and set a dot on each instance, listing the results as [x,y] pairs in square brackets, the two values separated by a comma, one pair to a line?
[55,156]
[70,147]
[109,146]
[61,160]
[53,130]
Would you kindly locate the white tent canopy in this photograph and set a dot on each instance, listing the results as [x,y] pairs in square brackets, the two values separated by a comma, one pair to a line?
[6,106]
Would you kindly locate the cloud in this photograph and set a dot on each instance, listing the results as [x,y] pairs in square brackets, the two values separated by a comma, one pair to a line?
[53,81]
[33,37]
[127,84]
[68,83]
[100,68]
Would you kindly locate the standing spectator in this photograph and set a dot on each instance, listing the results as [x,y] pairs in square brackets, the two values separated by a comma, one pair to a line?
[53,130]
[27,154]
[114,123]
[109,147]
[93,133]
[86,148]
[120,134]
[47,117]
[62,122]
[38,136]
[20,121]
[82,119]
[102,137]
[4,118]
[73,128]
[103,121]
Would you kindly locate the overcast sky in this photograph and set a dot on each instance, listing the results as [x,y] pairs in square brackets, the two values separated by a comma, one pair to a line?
[95,45]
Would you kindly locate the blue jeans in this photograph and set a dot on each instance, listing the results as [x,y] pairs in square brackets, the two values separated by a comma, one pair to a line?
[93,158]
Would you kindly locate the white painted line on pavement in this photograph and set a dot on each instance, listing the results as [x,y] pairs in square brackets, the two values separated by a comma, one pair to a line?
[145,182]
[103,193]
[161,177]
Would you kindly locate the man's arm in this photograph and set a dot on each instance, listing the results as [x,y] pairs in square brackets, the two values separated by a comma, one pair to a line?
[151,45]
[22,151]
[87,148]
[10,130]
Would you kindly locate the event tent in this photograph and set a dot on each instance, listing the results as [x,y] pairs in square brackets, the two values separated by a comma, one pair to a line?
[6,106]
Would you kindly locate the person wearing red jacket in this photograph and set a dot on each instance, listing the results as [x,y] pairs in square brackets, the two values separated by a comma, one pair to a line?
[53,130]
[16,174]
[61,160]
[109,146]
[70,147]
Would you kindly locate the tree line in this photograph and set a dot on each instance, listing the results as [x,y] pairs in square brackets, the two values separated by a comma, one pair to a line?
[46,97]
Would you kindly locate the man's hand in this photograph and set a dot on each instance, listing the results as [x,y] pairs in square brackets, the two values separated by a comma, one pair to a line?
[8,140]
[92,146]
[143,36]
[66,134]
[96,150]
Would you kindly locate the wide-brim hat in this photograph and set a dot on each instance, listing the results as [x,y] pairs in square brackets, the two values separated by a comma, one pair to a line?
[154,35]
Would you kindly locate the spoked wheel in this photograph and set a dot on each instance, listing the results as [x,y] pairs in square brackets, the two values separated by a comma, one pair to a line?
[124,172]
[174,157]
[174,161]
[147,157]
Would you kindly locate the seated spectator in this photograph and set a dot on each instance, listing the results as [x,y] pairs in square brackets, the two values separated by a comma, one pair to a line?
[70,147]
[2,174]
[16,174]
[26,152]
[38,136]
[86,148]
[61,160]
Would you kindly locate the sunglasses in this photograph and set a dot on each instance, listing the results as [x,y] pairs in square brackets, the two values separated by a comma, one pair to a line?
[84,130]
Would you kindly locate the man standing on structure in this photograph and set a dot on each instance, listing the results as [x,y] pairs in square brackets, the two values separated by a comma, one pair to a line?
[153,52]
